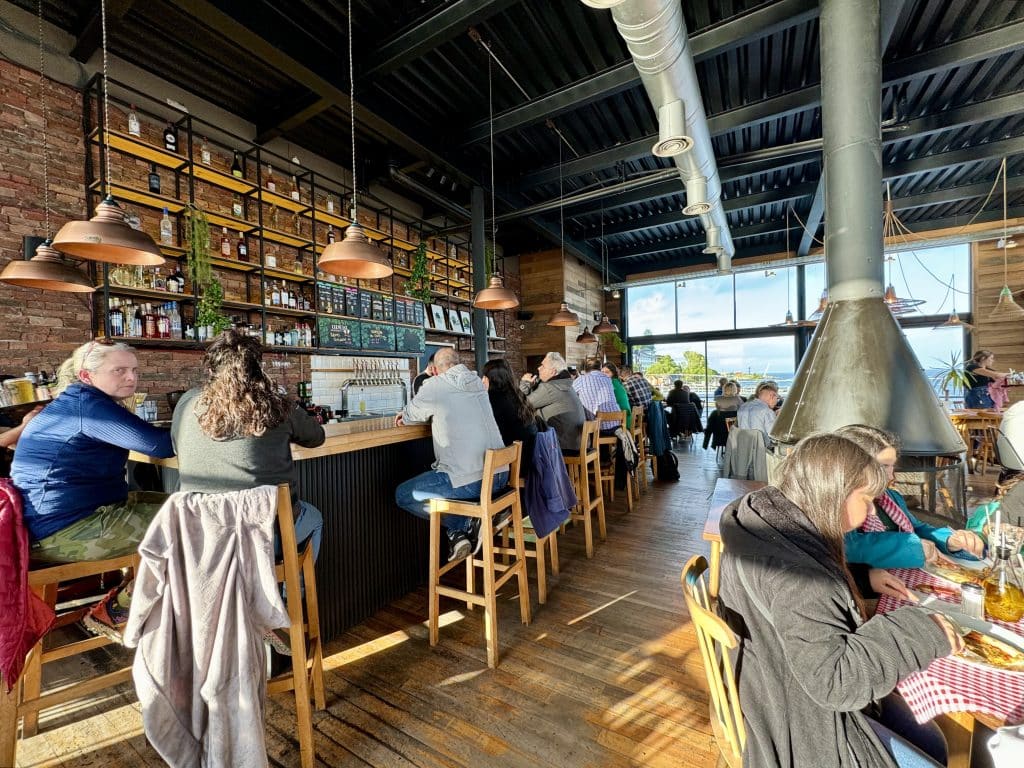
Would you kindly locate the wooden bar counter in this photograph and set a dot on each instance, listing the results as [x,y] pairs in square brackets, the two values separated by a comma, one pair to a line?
[372,551]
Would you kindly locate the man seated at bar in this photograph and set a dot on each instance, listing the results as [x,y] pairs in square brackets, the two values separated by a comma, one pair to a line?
[552,396]
[759,411]
[70,468]
[597,393]
[456,405]
[236,431]
[637,387]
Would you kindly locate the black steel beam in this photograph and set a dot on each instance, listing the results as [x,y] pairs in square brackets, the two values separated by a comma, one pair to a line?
[952,194]
[91,36]
[941,160]
[762,22]
[286,118]
[430,32]
[770,227]
[985,45]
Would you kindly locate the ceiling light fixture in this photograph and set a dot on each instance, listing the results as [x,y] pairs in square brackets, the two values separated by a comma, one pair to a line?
[354,255]
[47,269]
[106,236]
[890,230]
[495,295]
[1006,308]
[954,318]
[564,317]
[606,325]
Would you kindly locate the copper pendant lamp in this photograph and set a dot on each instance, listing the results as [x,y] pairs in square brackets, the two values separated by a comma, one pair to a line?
[47,269]
[605,326]
[495,295]
[586,337]
[564,317]
[354,255]
[107,236]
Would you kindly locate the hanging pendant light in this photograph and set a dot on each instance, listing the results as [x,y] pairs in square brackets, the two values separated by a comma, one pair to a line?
[354,255]
[495,295]
[586,337]
[890,230]
[106,236]
[1006,308]
[564,317]
[47,269]
[605,326]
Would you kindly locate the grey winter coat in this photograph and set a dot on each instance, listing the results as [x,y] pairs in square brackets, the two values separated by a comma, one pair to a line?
[807,664]
[558,403]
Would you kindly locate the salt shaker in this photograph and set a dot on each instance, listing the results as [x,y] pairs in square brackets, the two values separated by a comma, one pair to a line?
[972,600]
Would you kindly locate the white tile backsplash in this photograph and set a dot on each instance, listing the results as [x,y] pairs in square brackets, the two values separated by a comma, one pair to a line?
[331,372]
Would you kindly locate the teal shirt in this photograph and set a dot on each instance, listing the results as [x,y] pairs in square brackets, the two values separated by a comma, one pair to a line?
[895,548]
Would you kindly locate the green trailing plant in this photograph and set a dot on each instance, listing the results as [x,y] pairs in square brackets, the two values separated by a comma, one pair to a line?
[208,309]
[612,341]
[951,374]
[417,285]
[200,272]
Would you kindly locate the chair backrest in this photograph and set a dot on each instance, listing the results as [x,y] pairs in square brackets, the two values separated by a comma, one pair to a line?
[715,639]
[637,415]
[617,416]
[510,456]
[588,438]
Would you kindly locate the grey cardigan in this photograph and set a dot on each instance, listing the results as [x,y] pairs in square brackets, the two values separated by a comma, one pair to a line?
[558,403]
[807,664]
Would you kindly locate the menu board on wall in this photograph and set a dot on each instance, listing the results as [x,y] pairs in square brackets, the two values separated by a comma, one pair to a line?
[365,305]
[351,294]
[325,299]
[339,333]
[378,337]
[400,305]
[410,339]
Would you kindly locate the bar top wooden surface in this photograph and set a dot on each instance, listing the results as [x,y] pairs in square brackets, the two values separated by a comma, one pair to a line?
[341,438]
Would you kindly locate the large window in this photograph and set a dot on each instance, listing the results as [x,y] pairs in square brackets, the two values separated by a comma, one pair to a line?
[705,304]
[652,309]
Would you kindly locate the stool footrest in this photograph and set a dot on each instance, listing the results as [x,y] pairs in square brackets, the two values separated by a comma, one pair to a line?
[73,649]
[76,691]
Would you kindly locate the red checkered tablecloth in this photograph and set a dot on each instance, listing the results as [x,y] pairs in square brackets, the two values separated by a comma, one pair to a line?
[952,684]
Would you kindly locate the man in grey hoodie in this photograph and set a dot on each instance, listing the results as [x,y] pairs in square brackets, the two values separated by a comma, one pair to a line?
[455,404]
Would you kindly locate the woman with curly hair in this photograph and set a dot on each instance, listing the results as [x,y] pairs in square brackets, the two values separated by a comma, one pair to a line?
[236,431]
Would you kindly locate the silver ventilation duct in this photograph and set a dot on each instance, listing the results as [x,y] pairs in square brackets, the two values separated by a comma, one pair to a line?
[655,33]
[859,368]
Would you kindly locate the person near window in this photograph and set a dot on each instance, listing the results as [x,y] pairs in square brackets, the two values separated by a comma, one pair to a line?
[759,411]
[612,372]
[980,373]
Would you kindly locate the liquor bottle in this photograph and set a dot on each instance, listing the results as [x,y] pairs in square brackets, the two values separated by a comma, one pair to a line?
[138,321]
[243,249]
[236,166]
[154,179]
[295,190]
[275,296]
[225,244]
[271,186]
[293,303]
[166,229]
[236,206]
[270,261]
[172,283]
[163,323]
[330,204]
[175,316]
[149,329]
[298,264]
[116,318]
[309,334]
[134,129]
[180,277]
[330,234]
[171,138]
[204,152]
[159,284]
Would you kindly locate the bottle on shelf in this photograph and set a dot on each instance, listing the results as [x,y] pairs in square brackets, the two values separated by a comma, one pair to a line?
[330,234]
[293,302]
[271,185]
[236,166]
[166,229]
[275,296]
[175,316]
[299,268]
[243,249]
[138,321]
[149,327]
[163,323]
[236,204]
[180,277]
[309,334]
[204,153]
[172,283]
[134,128]
[225,244]
[154,180]
[330,204]
[270,260]
[295,189]
[171,138]
[116,318]
[159,284]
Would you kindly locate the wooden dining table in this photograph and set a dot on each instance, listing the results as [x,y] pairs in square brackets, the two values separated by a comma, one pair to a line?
[969,422]
[726,491]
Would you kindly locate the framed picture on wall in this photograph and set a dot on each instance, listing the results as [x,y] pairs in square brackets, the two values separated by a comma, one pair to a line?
[453,319]
[467,322]
[491,330]
[437,317]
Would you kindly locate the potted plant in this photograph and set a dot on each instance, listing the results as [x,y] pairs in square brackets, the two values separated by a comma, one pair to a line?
[951,373]
[209,319]
[610,342]
[417,285]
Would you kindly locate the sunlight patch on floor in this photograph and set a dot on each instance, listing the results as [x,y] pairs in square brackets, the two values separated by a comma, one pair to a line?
[600,608]
[399,636]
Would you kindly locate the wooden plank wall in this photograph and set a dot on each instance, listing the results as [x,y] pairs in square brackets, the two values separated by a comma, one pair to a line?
[1004,338]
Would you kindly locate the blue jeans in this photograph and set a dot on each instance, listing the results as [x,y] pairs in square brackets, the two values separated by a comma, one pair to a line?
[911,744]
[978,397]
[415,493]
[309,526]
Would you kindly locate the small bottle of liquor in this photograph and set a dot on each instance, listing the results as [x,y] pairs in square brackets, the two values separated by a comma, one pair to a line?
[171,138]
[154,179]
[236,167]
[134,128]
[204,152]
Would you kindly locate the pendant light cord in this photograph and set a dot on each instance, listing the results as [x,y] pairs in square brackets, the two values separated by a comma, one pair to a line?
[494,209]
[42,103]
[352,113]
[1002,170]
[561,204]
[106,96]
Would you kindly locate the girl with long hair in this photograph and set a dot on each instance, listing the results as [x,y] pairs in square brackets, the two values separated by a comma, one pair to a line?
[513,413]
[890,536]
[813,670]
[980,373]
[236,431]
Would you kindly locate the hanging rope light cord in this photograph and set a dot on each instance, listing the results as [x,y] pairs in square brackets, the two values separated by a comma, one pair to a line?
[564,317]
[1006,308]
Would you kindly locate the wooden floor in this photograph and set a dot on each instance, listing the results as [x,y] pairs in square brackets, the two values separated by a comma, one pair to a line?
[606,675]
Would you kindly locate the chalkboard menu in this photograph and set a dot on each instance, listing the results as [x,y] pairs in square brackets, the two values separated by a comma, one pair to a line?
[410,339]
[339,333]
[378,337]
[365,305]
[325,299]
[348,297]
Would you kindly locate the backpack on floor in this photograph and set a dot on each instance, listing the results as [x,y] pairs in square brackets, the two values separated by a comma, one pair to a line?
[668,467]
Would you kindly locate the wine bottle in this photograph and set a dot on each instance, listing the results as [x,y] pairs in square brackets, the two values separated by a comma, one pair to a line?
[204,152]
[330,234]
[236,206]
[134,129]
[166,229]
[236,166]
[275,296]
[295,189]
[330,204]
[271,186]
[171,138]
[243,249]
[225,244]
[154,179]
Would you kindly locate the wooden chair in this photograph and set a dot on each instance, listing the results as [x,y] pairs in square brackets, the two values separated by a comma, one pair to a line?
[715,639]
[608,470]
[27,699]
[585,473]
[638,431]
[306,677]
[484,511]
[535,547]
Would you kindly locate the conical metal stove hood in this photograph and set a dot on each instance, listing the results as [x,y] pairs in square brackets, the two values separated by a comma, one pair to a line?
[860,369]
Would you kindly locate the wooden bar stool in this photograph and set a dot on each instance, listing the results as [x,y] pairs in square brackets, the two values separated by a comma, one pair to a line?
[27,699]
[584,470]
[608,470]
[484,511]
[535,547]
[638,432]
[306,678]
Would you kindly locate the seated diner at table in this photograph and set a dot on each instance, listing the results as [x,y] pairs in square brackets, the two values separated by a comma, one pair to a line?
[513,413]
[816,676]
[891,537]
[980,373]
[70,467]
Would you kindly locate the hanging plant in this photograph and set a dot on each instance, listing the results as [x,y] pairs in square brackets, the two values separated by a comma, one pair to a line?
[208,308]
[198,248]
[417,284]
[612,341]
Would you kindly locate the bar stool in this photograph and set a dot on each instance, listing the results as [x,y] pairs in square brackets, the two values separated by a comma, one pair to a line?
[484,511]
[608,471]
[535,547]
[639,433]
[584,469]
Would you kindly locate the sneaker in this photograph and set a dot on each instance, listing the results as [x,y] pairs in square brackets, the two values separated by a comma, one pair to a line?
[502,519]
[275,641]
[107,618]
[459,545]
